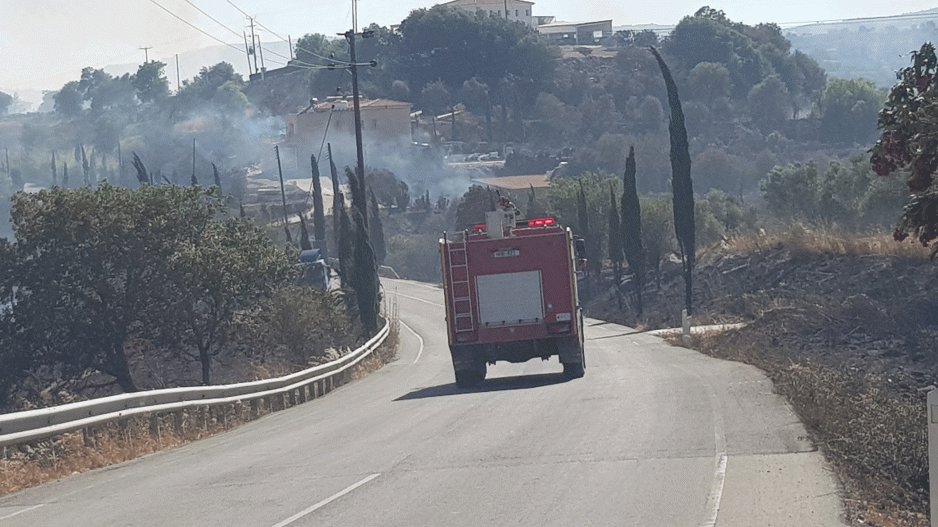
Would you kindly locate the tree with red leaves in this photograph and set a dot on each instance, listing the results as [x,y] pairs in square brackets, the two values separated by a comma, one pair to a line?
[909,141]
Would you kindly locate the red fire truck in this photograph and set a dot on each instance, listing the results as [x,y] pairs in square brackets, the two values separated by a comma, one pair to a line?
[511,295]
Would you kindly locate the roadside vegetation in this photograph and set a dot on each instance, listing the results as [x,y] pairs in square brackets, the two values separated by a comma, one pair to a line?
[132,264]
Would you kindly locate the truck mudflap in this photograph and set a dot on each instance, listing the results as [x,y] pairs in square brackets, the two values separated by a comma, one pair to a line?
[572,352]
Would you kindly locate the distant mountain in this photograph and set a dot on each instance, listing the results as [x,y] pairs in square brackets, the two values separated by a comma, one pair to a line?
[869,48]
[275,55]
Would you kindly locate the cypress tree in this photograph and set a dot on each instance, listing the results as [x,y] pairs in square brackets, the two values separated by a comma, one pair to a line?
[55,179]
[376,229]
[615,236]
[142,175]
[304,235]
[319,216]
[365,275]
[632,228]
[336,193]
[681,184]
[344,243]
[217,177]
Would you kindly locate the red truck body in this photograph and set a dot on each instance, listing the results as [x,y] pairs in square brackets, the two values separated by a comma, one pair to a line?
[512,297]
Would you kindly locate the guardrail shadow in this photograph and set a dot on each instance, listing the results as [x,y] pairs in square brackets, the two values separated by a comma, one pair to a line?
[497,384]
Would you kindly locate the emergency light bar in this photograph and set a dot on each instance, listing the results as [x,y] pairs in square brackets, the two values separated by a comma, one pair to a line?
[541,222]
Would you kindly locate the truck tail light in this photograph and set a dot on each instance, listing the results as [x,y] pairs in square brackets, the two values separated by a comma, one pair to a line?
[560,327]
[541,222]
[478,228]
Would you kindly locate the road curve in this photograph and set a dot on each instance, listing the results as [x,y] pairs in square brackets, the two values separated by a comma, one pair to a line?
[653,435]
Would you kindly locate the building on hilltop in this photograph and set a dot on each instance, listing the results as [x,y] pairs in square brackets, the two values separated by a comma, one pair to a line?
[518,10]
[576,33]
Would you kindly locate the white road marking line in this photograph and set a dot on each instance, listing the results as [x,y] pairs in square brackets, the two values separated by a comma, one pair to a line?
[420,300]
[325,502]
[716,492]
[17,513]
[719,443]
[419,353]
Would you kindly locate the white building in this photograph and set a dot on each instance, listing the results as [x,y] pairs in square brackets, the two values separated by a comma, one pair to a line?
[517,10]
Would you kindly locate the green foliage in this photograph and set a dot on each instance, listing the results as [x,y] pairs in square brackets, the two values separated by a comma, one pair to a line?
[657,229]
[5,101]
[415,257]
[709,81]
[226,267]
[631,225]
[150,82]
[365,275]
[454,46]
[850,108]
[96,267]
[376,231]
[204,86]
[769,104]
[562,197]
[472,206]
[849,194]
[615,231]
[68,100]
[682,189]
[304,320]
[91,261]
[749,54]
[908,121]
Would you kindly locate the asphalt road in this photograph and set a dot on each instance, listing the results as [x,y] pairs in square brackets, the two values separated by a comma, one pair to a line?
[653,435]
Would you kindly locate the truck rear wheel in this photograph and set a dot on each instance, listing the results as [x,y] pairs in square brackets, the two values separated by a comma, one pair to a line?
[470,378]
[573,370]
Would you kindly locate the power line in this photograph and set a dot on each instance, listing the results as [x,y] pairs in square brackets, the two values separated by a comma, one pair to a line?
[186,22]
[233,32]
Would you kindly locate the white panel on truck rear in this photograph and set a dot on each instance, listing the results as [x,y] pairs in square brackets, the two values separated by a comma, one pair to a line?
[510,299]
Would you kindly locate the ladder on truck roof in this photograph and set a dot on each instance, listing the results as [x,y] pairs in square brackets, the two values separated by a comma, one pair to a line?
[458,260]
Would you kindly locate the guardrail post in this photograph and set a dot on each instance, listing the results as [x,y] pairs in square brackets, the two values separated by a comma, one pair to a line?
[87,435]
[293,397]
[178,422]
[255,410]
[155,426]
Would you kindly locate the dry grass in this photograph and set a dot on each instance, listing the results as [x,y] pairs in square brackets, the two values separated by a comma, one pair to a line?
[873,435]
[800,238]
[31,464]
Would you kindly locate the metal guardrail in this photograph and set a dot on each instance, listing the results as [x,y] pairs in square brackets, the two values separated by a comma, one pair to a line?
[30,425]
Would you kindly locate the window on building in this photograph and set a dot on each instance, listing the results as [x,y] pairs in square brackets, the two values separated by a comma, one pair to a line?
[516,12]
[527,12]
[374,124]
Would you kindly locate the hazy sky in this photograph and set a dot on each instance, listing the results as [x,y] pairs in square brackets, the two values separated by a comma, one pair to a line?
[45,43]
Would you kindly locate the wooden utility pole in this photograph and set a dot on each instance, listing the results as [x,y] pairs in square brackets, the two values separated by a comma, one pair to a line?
[146,56]
[283,195]
[360,168]
[247,52]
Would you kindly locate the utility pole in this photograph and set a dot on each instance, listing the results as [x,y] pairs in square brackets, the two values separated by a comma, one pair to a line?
[254,48]
[146,56]
[506,9]
[247,52]
[177,74]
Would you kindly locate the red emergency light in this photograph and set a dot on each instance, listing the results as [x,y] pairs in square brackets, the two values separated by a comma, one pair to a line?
[541,222]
